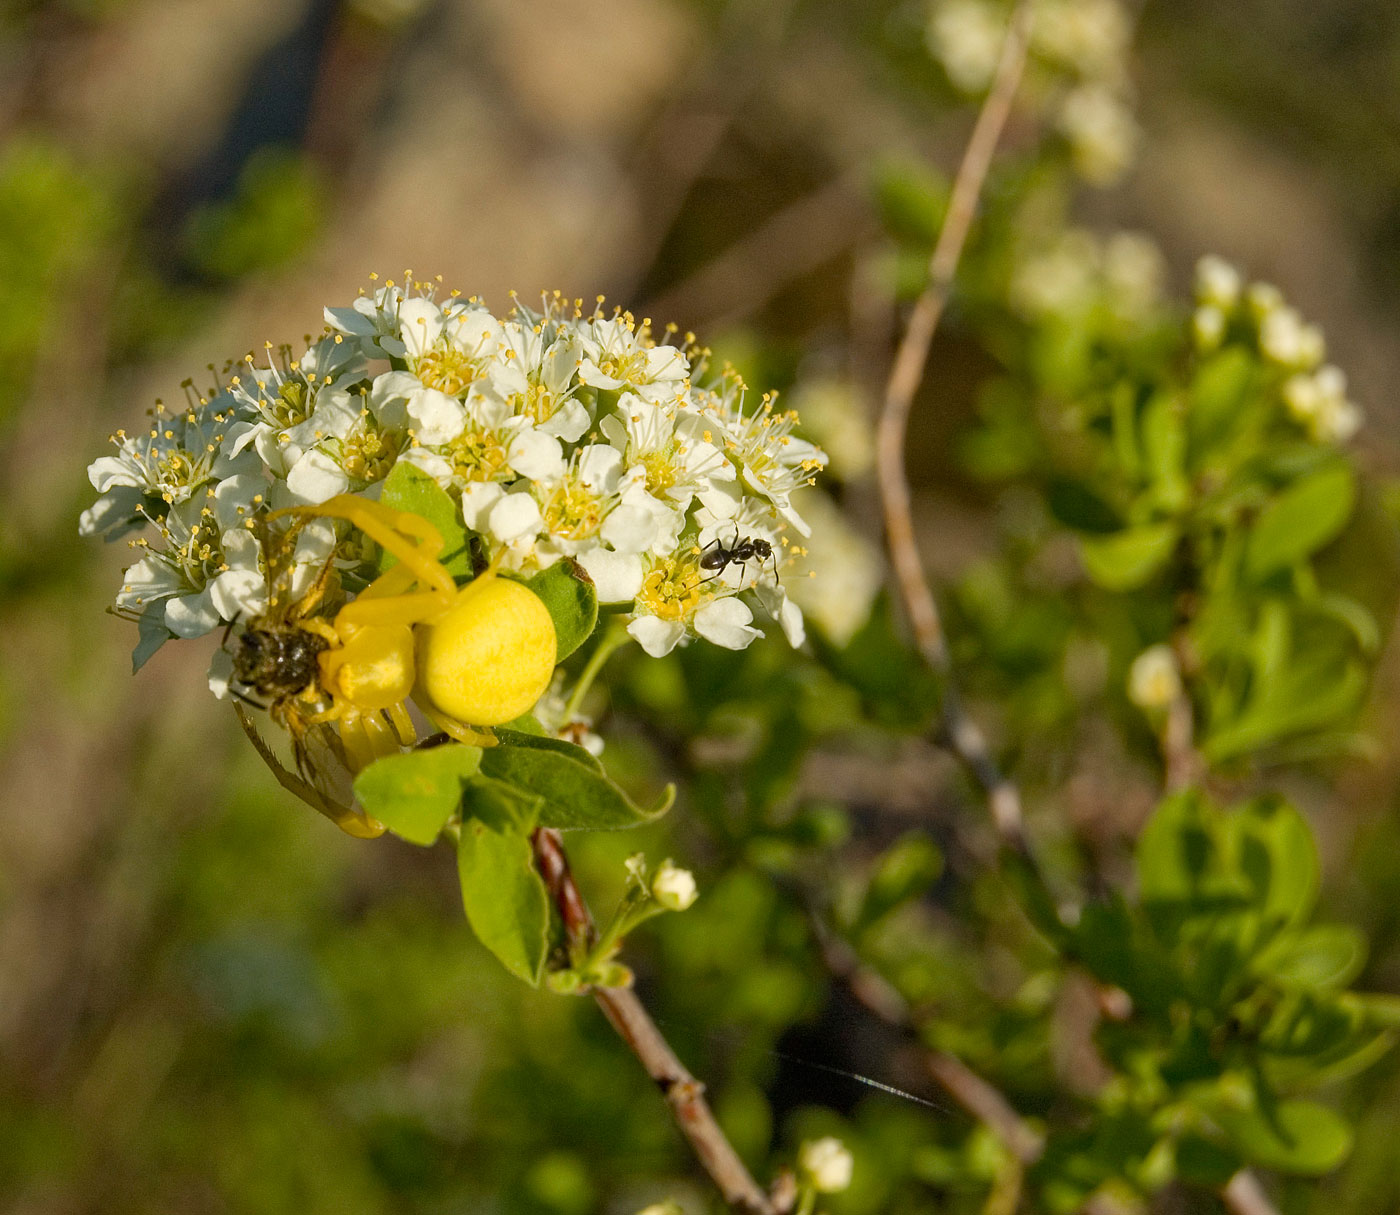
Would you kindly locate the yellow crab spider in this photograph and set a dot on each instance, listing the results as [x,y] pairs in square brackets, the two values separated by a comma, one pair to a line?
[477,655]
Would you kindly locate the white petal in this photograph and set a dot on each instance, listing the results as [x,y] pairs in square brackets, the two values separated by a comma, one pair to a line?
[430,462]
[630,529]
[569,422]
[617,577]
[600,468]
[536,455]
[350,320]
[478,498]
[233,499]
[237,593]
[437,418]
[784,611]
[191,615]
[112,513]
[316,478]
[514,517]
[221,673]
[154,634]
[726,622]
[108,471]
[420,324]
[657,637]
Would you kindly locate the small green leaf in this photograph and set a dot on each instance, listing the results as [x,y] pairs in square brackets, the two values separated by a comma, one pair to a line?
[1175,850]
[500,805]
[502,892]
[1324,956]
[1277,854]
[905,871]
[411,489]
[1164,444]
[416,793]
[1302,519]
[1218,395]
[541,741]
[567,591]
[576,793]
[1298,1137]
[1127,560]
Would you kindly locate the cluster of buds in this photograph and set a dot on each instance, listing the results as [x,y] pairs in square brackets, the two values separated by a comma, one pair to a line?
[560,433]
[1314,392]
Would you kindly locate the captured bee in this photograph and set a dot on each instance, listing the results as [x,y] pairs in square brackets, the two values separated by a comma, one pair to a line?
[277,659]
[740,551]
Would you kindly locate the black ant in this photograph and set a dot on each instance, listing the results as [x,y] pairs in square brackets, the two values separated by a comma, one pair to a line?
[740,551]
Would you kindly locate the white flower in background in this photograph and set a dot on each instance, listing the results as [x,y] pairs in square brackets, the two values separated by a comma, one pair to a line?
[835,415]
[1208,327]
[1101,131]
[1319,403]
[674,888]
[1154,680]
[1087,37]
[557,434]
[1218,283]
[1134,273]
[826,1164]
[965,36]
[836,576]
[1060,280]
[1285,338]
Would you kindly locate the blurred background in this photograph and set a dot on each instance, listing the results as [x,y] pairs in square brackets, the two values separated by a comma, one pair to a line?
[210,1001]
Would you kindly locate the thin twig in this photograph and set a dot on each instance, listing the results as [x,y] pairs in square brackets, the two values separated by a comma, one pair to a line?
[963,735]
[683,1092]
[977,1096]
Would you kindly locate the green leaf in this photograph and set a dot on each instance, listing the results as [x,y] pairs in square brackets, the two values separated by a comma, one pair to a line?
[576,793]
[416,793]
[411,489]
[1302,519]
[567,591]
[502,892]
[1298,1137]
[1176,850]
[1325,956]
[1276,853]
[1164,444]
[1218,395]
[1127,560]
[905,871]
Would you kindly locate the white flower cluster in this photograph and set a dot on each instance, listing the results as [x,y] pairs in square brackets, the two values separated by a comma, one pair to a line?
[1124,273]
[1314,393]
[1079,52]
[561,433]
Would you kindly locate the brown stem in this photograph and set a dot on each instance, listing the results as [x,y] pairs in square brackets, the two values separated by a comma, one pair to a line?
[906,374]
[683,1092]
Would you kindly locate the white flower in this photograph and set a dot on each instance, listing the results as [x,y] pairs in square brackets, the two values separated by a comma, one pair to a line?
[1154,680]
[447,347]
[1287,340]
[773,461]
[373,320]
[826,1164]
[1319,403]
[1101,131]
[1208,327]
[1088,37]
[616,354]
[175,458]
[534,375]
[836,577]
[1058,281]
[1217,283]
[965,36]
[674,888]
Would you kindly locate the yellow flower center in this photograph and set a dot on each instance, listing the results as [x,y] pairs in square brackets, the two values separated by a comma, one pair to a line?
[477,455]
[573,511]
[671,589]
[370,455]
[536,403]
[449,369]
[660,468]
[625,367]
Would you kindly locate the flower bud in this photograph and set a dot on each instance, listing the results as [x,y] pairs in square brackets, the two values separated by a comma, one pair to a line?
[826,1164]
[1154,680]
[674,888]
[1217,282]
